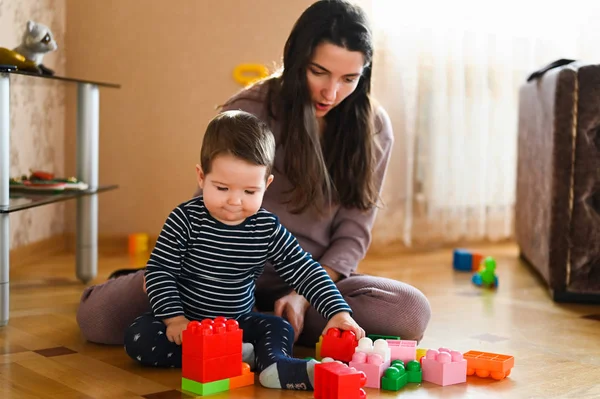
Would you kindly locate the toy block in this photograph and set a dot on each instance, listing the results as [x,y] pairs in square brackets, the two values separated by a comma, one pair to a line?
[420,354]
[373,365]
[395,377]
[462,260]
[207,388]
[212,338]
[335,380]
[339,345]
[444,367]
[247,378]
[318,349]
[477,258]
[404,350]
[414,372]
[212,350]
[484,364]
[380,346]
[375,337]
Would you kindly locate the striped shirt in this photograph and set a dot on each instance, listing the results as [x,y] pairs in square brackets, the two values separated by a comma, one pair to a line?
[202,268]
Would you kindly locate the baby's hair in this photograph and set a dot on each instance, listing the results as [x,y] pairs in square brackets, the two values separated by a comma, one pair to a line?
[240,134]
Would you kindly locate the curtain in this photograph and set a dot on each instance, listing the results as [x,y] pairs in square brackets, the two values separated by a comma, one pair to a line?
[448,74]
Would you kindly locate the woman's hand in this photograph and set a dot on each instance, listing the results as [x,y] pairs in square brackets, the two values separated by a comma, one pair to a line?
[292,307]
[344,321]
[175,326]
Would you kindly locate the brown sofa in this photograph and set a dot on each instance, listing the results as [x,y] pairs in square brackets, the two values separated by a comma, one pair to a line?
[558,179]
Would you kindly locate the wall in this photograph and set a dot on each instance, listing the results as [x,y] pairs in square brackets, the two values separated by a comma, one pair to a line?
[37,115]
[174,61]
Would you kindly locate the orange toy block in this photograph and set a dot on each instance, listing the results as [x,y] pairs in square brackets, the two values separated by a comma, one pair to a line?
[484,364]
[476,259]
[247,378]
[339,345]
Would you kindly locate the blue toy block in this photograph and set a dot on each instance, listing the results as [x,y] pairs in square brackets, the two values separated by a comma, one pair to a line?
[462,260]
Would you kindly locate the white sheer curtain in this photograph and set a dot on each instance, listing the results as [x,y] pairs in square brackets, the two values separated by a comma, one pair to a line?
[448,74]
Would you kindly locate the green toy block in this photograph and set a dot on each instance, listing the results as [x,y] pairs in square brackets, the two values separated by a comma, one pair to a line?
[397,362]
[375,337]
[394,378]
[414,372]
[207,388]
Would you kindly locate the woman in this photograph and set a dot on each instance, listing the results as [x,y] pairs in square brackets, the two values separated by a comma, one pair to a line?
[333,148]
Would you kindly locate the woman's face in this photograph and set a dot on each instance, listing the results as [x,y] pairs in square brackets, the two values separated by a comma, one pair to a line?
[332,75]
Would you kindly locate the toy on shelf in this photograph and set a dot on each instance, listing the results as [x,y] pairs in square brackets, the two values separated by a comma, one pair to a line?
[335,380]
[466,261]
[45,181]
[246,74]
[372,359]
[36,42]
[212,357]
[444,367]
[485,364]
[337,345]
[486,276]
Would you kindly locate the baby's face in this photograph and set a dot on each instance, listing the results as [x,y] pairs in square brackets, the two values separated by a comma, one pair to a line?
[234,188]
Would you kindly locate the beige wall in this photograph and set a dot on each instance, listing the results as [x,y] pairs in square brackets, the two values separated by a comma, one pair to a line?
[37,115]
[174,61]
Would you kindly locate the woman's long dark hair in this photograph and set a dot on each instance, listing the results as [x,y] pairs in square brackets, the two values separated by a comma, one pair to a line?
[337,167]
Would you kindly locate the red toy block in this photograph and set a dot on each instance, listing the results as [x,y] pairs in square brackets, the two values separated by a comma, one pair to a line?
[339,345]
[212,350]
[212,338]
[335,380]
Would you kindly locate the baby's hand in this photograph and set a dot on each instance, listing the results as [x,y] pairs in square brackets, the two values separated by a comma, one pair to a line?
[344,321]
[175,327]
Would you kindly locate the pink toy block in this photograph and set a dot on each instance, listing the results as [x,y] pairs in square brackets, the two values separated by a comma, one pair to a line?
[380,346]
[403,349]
[444,367]
[372,365]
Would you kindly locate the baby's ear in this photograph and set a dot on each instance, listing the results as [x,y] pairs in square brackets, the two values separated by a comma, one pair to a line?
[30,26]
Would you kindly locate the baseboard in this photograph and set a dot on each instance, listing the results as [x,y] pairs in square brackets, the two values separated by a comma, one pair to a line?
[38,250]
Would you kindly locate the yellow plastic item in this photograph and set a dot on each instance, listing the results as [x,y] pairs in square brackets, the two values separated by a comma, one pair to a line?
[138,243]
[246,74]
[11,57]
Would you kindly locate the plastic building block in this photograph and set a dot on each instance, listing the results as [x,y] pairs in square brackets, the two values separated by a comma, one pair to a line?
[476,261]
[206,388]
[247,378]
[372,364]
[335,380]
[420,354]
[445,367]
[338,345]
[462,260]
[486,275]
[484,364]
[212,350]
[318,349]
[414,372]
[375,337]
[380,346]
[395,377]
[404,350]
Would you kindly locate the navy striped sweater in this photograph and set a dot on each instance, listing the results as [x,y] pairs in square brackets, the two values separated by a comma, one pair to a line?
[202,268]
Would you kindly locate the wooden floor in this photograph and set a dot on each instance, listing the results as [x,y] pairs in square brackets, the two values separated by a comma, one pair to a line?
[556,347]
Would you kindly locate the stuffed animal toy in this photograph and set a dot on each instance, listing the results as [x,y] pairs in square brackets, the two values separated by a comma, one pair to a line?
[37,41]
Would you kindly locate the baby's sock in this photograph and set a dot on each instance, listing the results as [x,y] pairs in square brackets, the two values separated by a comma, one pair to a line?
[289,373]
[248,355]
